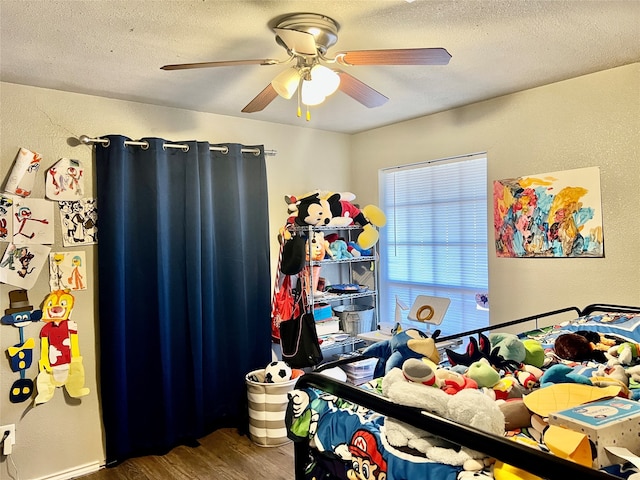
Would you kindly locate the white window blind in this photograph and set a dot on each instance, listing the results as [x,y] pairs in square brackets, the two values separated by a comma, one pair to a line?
[435,240]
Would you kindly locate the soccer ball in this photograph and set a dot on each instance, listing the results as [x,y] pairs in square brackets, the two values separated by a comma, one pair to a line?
[277,372]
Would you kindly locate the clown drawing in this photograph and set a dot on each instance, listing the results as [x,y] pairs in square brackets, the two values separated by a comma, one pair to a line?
[60,361]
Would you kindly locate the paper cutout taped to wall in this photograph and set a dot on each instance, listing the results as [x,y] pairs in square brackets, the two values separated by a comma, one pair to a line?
[60,361]
[65,180]
[32,221]
[79,220]
[23,173]
[20,314]
[6,218]
[21,264]
[67,270]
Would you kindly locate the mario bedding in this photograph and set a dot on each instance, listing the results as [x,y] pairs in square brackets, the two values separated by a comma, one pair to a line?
[352,442]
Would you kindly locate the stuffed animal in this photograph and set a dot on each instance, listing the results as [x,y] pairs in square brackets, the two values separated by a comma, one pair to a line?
[534,353]
[573,346]
[426,372]
[476,349]
[509,346]
[561,373]
[334,211]
[357,251]
[318,246]
[292,200]
[491,383]
[482,348]
[468,407]
[405,344]
[624,354]
[339,250]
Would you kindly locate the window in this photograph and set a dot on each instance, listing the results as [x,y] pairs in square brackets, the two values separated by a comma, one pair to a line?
[435,240]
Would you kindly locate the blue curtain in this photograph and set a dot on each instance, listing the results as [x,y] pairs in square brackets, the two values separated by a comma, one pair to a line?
[184,290]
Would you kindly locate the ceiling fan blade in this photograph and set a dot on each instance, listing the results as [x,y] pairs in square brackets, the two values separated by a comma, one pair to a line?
[398,56]
[360,91]
[297,42]
[264,98]
[230,63]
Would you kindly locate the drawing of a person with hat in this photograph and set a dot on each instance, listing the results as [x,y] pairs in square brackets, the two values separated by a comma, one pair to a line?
[20,314]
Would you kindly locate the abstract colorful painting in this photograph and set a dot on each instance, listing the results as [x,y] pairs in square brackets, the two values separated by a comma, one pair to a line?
[557,214]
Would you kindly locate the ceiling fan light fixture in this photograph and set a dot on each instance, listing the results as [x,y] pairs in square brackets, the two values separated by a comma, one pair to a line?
[286,82]
[312,93]
[328,80]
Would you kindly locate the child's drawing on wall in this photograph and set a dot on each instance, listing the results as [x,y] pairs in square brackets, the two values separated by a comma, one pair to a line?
[21,264]
[32,221]
[65,180]
[23,173]
[556,214]
[67,270]
[79,220]
[6,220]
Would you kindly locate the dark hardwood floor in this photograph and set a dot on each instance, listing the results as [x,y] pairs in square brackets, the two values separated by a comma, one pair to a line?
[223,455]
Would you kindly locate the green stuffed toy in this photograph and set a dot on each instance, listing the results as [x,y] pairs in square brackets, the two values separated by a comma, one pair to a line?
[508,346]
[410,343]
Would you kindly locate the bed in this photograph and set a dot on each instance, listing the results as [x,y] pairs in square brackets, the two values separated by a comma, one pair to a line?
[340,430]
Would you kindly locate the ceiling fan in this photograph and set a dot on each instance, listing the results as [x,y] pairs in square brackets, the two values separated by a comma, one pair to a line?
[307,37]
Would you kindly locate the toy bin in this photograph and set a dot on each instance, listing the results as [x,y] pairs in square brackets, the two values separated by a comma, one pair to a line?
[267,408]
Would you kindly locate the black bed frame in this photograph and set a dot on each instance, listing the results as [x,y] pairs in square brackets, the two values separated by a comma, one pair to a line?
[539,463]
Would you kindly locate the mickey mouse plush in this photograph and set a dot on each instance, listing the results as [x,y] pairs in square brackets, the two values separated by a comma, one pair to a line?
[333,211]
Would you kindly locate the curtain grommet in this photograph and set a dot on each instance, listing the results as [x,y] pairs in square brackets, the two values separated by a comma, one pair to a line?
[225,150]
[145,146]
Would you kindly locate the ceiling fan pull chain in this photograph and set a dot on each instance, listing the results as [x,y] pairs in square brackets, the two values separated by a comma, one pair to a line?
[308,113]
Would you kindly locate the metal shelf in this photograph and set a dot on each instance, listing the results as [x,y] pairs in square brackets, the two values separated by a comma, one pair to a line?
[368,258]
[336,297]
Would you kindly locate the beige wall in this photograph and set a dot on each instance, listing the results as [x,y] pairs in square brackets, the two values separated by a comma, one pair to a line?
[587,121]
[592,120]
[63,434]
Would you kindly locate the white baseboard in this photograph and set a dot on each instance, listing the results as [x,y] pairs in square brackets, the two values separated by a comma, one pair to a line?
[73,472]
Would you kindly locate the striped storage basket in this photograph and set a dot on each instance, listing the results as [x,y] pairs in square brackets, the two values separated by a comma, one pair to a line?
[267,409]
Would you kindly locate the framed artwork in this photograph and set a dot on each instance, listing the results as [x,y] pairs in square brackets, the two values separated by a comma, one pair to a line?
[557,214]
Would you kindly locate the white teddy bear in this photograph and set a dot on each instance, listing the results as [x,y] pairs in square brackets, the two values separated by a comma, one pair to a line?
[469,407]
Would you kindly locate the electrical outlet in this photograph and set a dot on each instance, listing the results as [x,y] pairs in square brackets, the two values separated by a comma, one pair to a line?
[10,441]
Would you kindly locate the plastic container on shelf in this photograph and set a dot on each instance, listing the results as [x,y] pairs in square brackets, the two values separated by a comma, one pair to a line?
[360,371]
[355,318]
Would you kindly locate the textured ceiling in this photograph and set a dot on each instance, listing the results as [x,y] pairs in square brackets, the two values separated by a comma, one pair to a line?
[116,48]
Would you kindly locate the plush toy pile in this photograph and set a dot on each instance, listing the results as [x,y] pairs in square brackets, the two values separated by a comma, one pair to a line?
[326,209]
[467,406]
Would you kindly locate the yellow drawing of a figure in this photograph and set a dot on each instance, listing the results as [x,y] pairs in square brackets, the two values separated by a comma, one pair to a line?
[60,361]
